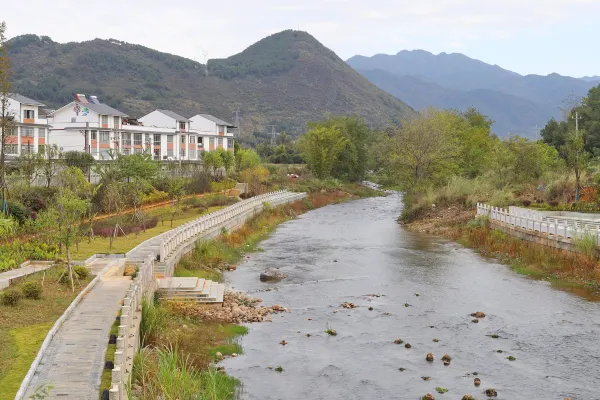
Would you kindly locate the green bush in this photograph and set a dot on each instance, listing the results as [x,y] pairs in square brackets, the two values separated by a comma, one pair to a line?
[18,212]
[32,290]
[81,271]
[11,298]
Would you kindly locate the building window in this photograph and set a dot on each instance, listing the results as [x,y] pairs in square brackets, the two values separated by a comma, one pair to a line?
[125,151]
[42,149]
[182,139]
[104,137]
[94,151]
[192,154]
[116,122]
[182,152]
[220,141]
[126,139]
[94,135]
[200,140]
[138,151]
[29,114]
[12,131]
[27,131]
[169,152]
[104,153]
[105,121]
[156,154]
[221,129]
[27,148]
[182,126]
[137,139]
[170,139]
[230,143]
[42,132]
[192,139]
[12,148]
[148,140]
[157,140]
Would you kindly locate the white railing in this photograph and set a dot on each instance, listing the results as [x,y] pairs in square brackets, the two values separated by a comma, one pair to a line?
[128,339]
[568,228]
[170,240]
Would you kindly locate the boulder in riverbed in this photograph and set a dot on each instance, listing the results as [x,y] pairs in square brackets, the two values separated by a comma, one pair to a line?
[491,392]
[468,397]
[477,381]
[428,396]
[429,357]
[478,314]
[272,274]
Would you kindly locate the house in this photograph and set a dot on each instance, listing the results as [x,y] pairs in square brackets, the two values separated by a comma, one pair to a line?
[214,132]
[87,125]
[30,130]
[172,136]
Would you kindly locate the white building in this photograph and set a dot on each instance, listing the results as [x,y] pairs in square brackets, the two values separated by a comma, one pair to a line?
[214,132]
[97,128]
[30,132]
[88,126]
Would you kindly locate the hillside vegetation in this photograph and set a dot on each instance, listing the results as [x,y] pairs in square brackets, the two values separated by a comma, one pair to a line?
[286,79]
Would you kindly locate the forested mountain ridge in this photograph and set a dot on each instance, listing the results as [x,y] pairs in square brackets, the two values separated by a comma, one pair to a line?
[286,79]
[517,103]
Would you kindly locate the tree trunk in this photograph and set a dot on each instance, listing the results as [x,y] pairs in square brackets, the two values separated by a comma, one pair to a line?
[70,268]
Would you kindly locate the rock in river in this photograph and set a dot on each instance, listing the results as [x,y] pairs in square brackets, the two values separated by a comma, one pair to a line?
[272,275]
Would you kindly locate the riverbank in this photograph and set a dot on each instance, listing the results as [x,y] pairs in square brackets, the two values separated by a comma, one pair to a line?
[185,341]
[579,273]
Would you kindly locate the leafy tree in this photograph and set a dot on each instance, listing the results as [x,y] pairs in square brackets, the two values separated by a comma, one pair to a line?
[7,123]
[351,161]
[136,166]
[321,147]
[176,189]
[82,160]
[424,150]
[255,177]
[62,219]
[246,158]
[228,159]
[50,163]
[576,157]
[73,180]
[212,160]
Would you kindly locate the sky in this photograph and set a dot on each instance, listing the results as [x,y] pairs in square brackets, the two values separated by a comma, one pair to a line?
[525,36]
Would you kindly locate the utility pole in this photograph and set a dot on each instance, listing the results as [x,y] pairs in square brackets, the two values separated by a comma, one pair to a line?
[272,135]
[577,118]
[237,122]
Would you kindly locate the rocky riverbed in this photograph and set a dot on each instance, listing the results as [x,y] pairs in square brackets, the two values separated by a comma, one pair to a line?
[352,269]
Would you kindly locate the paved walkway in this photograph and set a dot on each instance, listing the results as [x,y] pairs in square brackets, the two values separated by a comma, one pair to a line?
[6,277]
[74,360]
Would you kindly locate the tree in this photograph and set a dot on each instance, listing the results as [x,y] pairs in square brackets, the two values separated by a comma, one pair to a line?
[321,147]
[255,177]
[212,160]
[62,219]
[7,123]
[176,189]
[50,163]
[228,159]
[73,180]
[424,150]
[82,160]
[246,158]
[576,157]
[351,161]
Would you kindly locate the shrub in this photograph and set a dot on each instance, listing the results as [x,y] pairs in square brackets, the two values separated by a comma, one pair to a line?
[32,290]
[553,203]
[18,212]
[199,183]
[526,203]
[81,271]
[35,203]
[11,298]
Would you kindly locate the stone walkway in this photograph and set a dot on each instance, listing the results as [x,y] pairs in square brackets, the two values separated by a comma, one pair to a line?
[74,360]
[6,277]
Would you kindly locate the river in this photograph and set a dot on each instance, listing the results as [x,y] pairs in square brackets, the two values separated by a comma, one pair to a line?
[340,253]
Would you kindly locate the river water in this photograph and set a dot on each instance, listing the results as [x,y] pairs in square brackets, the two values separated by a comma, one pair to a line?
[340,253]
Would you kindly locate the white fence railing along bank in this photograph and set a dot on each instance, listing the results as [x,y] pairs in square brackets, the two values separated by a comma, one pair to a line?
[531,220]
[128,338]
[170,240]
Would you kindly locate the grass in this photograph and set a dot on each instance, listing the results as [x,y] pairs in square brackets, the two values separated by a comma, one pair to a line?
[101,245]
[179,353]
[27,342]
[109,355]
[25,326]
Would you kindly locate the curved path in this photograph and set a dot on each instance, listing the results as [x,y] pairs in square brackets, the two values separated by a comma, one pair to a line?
[73,362]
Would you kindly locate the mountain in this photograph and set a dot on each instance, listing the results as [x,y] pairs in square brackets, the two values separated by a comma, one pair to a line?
[286,79]
[591,78]
[515,102]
